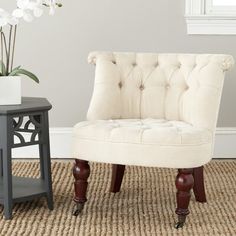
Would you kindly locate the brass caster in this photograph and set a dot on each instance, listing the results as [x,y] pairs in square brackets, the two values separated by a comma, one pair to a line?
[181,221]
[179,225]
[78,208]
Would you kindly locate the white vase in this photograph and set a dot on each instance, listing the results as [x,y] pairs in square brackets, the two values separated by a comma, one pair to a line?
[10,90]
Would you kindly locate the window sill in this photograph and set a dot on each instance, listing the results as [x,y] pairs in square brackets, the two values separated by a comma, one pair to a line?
[211,25]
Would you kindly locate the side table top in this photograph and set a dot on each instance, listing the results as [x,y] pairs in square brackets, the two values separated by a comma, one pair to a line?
[28,104]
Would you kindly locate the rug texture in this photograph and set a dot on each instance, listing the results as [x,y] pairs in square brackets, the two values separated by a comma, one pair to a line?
[144,206]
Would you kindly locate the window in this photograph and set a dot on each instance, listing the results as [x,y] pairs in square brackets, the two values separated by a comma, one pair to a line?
[224,2]
[211,16]
[221,7]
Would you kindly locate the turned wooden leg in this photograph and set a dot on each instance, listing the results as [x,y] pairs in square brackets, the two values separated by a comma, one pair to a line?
[81,173]
[117,176]
[198,188]
[184,183]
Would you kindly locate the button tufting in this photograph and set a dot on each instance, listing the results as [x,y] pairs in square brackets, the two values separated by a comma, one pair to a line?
[156,64]
[167,86]
[114,62]
[120,84]
[134,64]
[141,87]
[144,127]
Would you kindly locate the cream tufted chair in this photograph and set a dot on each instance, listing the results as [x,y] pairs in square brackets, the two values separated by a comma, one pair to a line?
[157,110]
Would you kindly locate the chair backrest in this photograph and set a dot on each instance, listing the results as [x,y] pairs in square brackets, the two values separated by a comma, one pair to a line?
[184,87]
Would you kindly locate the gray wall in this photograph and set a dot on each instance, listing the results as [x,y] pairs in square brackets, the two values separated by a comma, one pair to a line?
[56,49]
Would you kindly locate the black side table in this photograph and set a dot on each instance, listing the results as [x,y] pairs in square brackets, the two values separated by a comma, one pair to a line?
[29,117]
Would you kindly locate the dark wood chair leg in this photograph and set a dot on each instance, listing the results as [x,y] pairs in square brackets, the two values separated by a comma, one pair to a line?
[184,183]
[81,172]
[198,188]
[117,176]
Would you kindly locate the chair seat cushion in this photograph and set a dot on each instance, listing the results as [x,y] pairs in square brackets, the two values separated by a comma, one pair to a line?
[148,142]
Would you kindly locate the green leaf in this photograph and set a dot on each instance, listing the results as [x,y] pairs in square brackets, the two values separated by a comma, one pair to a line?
[14,71]
[27,73]
[17,68]
[3,68]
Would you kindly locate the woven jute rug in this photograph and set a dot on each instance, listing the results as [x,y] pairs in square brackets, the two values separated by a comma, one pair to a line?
[145,205]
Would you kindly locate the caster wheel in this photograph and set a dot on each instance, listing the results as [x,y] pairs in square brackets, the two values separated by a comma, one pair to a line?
[181,221]
[78,208]
[179,225]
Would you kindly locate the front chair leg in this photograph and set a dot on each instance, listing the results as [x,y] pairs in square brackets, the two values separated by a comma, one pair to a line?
[81,172]
[184,183]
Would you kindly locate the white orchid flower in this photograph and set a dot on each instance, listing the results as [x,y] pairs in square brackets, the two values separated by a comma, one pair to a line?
[23,10]
[36,7]
[6,18]
[52,4]
[3,18]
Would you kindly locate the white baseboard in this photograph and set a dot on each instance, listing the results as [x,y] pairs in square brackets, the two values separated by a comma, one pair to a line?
[225,143]
[60,144]
[61,138]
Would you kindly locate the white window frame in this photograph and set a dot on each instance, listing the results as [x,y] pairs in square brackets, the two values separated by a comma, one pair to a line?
[204,18]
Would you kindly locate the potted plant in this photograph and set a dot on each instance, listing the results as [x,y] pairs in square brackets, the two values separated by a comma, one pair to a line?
[10,76]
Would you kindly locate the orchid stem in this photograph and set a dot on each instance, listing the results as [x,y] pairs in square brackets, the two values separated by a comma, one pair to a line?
[4,43]
[13,47]
[1,44]
[9,50]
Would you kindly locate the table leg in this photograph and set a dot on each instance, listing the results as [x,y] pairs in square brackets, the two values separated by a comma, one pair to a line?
[46,161]
[42,175]
[7,183]
[6,142]
[1,167]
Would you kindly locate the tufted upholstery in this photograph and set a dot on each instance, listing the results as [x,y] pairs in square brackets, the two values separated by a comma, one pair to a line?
[148,131]
[149,142]
[184,87]
[152,109]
